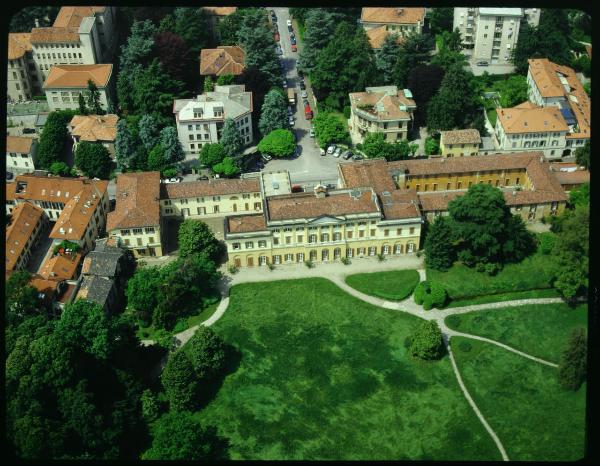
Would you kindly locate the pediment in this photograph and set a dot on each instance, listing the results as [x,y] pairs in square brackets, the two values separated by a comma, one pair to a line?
[325,220]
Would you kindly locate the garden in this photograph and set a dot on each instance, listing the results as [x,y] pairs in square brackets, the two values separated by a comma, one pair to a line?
[395,285]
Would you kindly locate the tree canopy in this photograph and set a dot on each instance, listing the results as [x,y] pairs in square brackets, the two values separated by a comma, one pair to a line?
[426,342]
[93,159]
[582,155]
[274,112]
[278,143]
[53,138]
[195,236]
[228,167]
[329,129]
[441,19]
[211,154]
[440,251]
[375,145]
[231,139]
[572,369]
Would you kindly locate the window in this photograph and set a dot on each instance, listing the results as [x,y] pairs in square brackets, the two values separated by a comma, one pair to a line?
[411,230]
[517,182]
[216,198]
[288,240]
[183,201]
[235,246]
[125,232]
[324,237]
[349,252]
[337,237]
[312,238]
[151,240]
[249,244]
[137,231]
[361,233]
[287,229]
[399,232]
[373,232]
[149,229]
[277,259]
[300,257]
[372,250]
[275,241]
[435,186]
[168,211]
[385,249]
[191,136]
[289,257]
[426,187]
[349,235]
[257,206]
[300,237]
[126,241]
[139,241]
[398,249]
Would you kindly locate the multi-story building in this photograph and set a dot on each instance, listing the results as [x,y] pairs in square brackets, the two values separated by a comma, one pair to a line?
[382,109]
[26,225]
[215,15]
[136,219]
[460,142]
[22,81]
[66,82]
[77,206]
[528,126]
[20,154]
[199,121]
[552,85]
[101,129]
[380,22]
[224,60]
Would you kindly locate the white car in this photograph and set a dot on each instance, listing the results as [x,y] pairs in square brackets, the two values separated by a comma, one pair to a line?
[289,22]
[338,152]
[304,95]
[312,132]
[322,151]
[330,149]
[177,179]
[291,121]
[284,83]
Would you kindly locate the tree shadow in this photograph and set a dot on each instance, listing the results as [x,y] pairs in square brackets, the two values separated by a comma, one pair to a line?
[209,388]
[220,445]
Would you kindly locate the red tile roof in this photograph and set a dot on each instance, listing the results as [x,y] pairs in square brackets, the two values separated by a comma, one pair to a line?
[137,201]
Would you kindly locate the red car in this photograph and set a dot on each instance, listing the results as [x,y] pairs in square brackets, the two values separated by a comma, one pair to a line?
[294,48]
[308,112]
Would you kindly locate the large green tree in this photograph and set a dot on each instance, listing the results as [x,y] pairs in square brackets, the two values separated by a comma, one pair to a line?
[206,351]
[20,299]
[180,381]
[125,144]
[195,236]
[148,131]
[375,145]
[413,52]
[93,98]
[53,138]
[212,154]
[427,342]
[231,139]
[25,19]
[580,195]
[319,24]
[440,252]
[142,292]
[440,19]
[93,159]
[387,57]
[424,81]
[572,369]
[228,167]
[279,143]
[582,155]
[329,129]
[191,24]
[169,140]
[274,112]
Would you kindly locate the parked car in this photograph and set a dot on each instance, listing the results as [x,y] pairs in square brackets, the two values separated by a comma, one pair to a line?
[284,83]
[312,132]
[297,188]
[294,48]
[28,130]
[338,152]
[304,94]
[203,177]
[292,39]
[322,151]
[302,85]
[357,157]
[331,149]
[292,36]
[347,155]
[9,175]
[291,120]
[290,27]
[290,111]
[266,157]
[482,63]
[278,51]
[176,179]
[289,22]
[300,72]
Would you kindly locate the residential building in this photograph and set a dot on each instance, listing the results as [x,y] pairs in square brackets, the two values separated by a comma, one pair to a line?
[200,121]
[61,266]
[215,15]
[380,22]
[54,293]
[552,85]
[224,60]
[459,143]
[101,129]
[77,206]
[21,79]
[20,154]
[66,82]
[569,175]
[26,225]
[528,126]
[382,109]
[136,219]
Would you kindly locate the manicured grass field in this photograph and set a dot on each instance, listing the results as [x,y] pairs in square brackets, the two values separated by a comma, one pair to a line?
[463,282]
[522,401]
[541,330]
[323,375]
[494,298]
[395,285]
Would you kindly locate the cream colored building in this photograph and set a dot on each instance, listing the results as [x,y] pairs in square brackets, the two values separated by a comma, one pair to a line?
[459,143]
[383,110]
[100,129]
[20,154]
[22,233]
[380,22]
[21,79]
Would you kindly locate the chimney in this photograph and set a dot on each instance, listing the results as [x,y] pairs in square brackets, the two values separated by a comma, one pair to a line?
[320,191]
[399,11]
[37,23]
[541,159]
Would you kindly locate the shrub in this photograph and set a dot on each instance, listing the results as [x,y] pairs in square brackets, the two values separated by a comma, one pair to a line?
[438,295]
[427,342]
[310,264]
[493,268]
[572,367]
[270,266]
[181,325]
[345,261]
[169,172]
[467,258]
[430,294]
[420,291]
[380,257]
[347,111]
[546,242]
[233,269]
[480,267]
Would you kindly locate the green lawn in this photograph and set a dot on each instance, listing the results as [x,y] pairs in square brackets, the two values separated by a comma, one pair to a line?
[395,285]
[464,282]
[511,295]
[323,375]
[541,330]
[522,401]
[492,116]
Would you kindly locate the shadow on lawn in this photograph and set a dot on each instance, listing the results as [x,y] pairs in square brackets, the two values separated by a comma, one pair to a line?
[211,386]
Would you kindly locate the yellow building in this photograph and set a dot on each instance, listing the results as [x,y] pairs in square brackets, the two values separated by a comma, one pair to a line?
[460,142]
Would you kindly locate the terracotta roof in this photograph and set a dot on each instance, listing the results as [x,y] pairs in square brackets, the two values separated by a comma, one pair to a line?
[137,201]
[94,127]
[399,204]
[307,205]
[45,286]
[60,266]
[377,36]
[25,218]
[220,10]
[18,44]
[392,15]
[461,136]
[209,188]
[52,188]
[531,119]
[380,104]
[71,16]
[223,60]
[367,173]
[246,223]
[567,173]
[78,76]
[54,35]
[18,144]
[10,191]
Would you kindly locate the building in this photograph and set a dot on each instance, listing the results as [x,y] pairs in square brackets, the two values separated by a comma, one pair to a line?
[569,175]
[380,22]
[200,121]
[136,219]
[66,82]
[552,85]
[224,60]
[101,129]
[215,15]
[77,206]
[21,79]
[61,266]
[20,154]
[54,293]
[26,224]
[382,109]
[460,142]
[528,126]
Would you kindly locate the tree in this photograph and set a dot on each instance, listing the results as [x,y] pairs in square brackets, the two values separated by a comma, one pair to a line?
[156,158]
[273,112]
[174,55]
[180,436]
[169,140]
[427,342]
[451,40]
[24,19]
[150,408]
[21,299]
[227,168]
[329,129]
[440,252]
[93,160]
[413,52]
[209,85]
[582,155]
[225,80]
[231,139]
[387,57]
[212,154]
[142,292]
[206,351]
[93,98]
[148,131]
[191,24]
[441,19]
[580,196]
[424,81]
[179,381]
[125,144]
[572,369]
[319,24]
[375,145]
[195,236]
[513,91]
[60,169]
[446,59]
[432,147]
[279,143]
[82,108]
[53,138]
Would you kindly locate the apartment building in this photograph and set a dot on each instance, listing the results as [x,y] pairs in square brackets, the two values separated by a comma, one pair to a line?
[224,60]
[22,233]
[552,85]
[77,206]
[136,219]
[382,109]
[378,23]
[20,154]
[199,121]
[528,126]
[459,143]
[66,82]
[99,129]
[21,79]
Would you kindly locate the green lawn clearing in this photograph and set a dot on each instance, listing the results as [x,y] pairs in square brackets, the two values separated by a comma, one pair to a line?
[492,116]
[324,375]
[541,330]
[510,296]
[522,401]
[395,285]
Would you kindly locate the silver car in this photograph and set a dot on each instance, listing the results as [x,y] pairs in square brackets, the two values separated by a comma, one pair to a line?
[338,152]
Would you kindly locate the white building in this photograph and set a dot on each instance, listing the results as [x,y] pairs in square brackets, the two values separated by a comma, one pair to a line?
[22,81]
[200,121]
[20,155]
